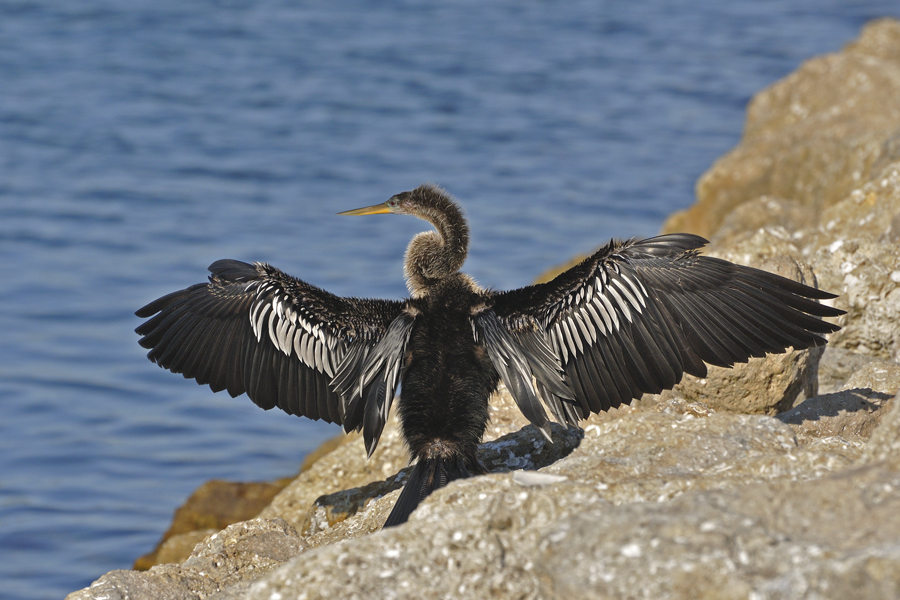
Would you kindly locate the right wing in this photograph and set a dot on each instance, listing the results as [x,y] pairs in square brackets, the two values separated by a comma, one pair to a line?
[284,342]
[636,316]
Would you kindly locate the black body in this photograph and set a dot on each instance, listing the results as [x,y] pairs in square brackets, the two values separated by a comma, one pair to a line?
[447,380]
[447,377]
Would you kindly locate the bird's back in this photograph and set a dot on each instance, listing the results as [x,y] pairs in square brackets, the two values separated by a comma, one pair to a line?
[447,378]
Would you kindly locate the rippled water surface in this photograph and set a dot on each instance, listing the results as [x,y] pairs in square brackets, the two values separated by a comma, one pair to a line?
[140,141]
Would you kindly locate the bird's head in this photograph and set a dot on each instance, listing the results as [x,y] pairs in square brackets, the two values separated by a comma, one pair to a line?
[434,254]
[418,203]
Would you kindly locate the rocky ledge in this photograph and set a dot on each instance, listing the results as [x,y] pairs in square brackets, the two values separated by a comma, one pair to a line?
[777,479]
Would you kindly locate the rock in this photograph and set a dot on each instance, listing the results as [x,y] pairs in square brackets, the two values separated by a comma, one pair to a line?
[331,509]
[785,220]
[877,376]
[325,448]
[345,474]
[344,479]
[213,506]
[855,258]
[869,212]
[229,559]
[763,386]
[759,541]
[812,137]
[885,442]
[837,365]
[652,454]
[525,448]
[658,454]
[883,378]
[851,415]
[344,468]
[176,549]
[651,505]
[768,248]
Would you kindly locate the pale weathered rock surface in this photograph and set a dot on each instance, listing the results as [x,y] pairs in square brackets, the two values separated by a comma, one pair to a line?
[227,560]
[344,468]
[812,137]
[679,495]
[837,365]
[785,536]
[847,418]
[857,256]
[860,393]
[658,454]
[213,506]
[786,219]
[348,481]
[885,442]
[523,449]
[851,415]
[175,549]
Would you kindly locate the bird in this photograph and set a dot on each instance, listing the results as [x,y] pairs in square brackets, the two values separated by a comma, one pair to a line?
[630,319]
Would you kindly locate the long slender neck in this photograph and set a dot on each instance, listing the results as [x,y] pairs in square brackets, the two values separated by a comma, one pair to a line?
[451,226]
[434,255]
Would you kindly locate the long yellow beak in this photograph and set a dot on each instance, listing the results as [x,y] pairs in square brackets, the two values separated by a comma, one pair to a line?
[377,209]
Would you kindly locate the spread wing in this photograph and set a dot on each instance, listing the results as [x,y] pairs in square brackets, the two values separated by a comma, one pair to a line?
[636,316]
[284,342]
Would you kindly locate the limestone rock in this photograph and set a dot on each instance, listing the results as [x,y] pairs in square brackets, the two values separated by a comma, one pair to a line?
[526,448]
[344,468]
[658,454]
[812,137]
[851,415]
[832,538]
[869,212]
[649,497]
[764,248]
[763,529]
[787,221]
[176,549]
[352,481]
[760,386]
[228,560]
[857,259]
[361,511]
[653,454]
[878,376]
[869,295]
[885,442]
[837,365]
[212,506]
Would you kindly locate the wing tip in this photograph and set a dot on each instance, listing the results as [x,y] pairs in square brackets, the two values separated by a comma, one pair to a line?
[233,270]
[669,242]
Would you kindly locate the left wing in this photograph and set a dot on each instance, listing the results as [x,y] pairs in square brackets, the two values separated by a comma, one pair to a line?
[636,316]
[284,342]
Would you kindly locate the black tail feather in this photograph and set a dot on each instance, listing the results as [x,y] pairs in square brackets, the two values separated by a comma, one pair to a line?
[428,475]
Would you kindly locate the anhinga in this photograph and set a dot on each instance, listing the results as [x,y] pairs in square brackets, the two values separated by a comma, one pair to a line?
[630,319]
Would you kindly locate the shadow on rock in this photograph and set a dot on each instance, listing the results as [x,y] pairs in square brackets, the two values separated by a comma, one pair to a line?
[835,404]
[526,449]
[851,415]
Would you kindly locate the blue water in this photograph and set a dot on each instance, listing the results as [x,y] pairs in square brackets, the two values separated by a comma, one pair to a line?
[140,141]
